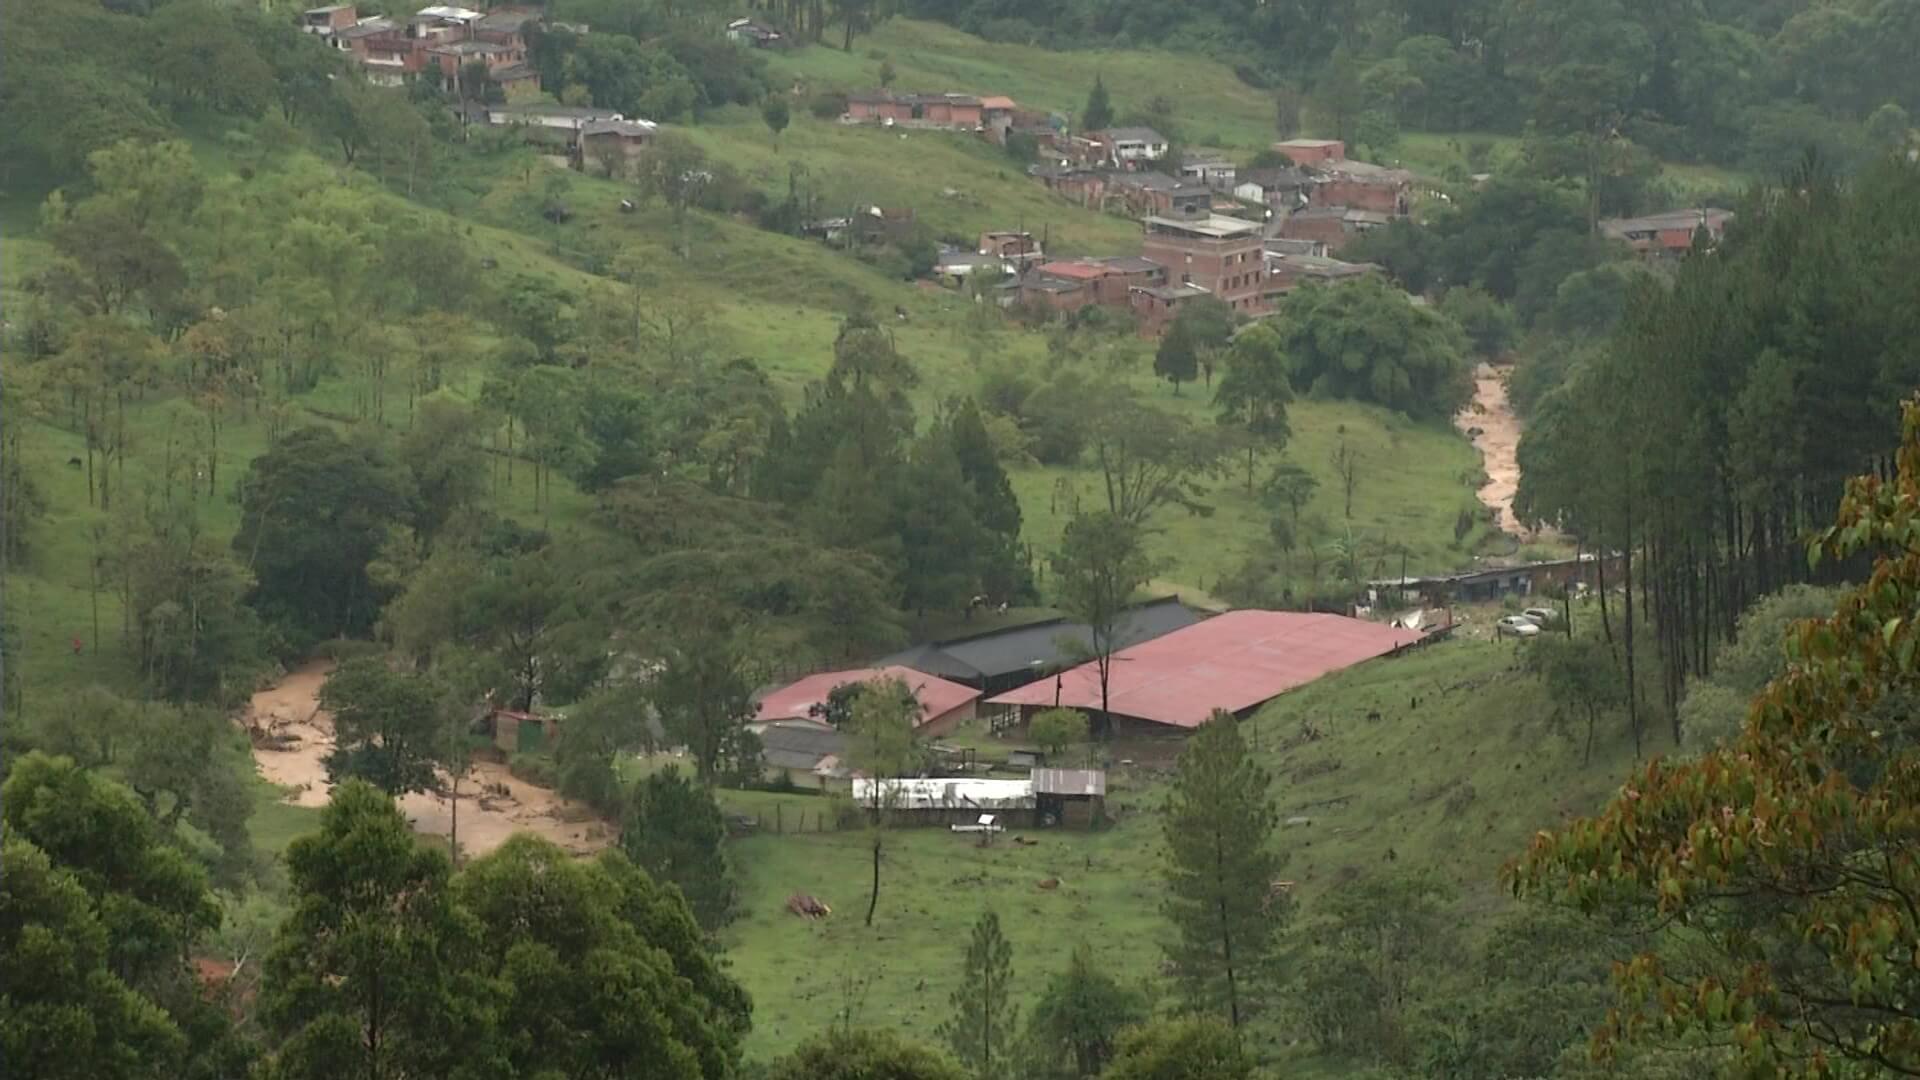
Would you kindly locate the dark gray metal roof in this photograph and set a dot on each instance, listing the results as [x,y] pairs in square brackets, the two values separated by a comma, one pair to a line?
[798,747]
[1053,643]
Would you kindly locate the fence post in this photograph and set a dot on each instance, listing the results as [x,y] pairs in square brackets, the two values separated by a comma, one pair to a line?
[779,818]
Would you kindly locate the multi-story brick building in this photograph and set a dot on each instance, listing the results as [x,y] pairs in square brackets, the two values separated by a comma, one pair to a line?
[1219,254]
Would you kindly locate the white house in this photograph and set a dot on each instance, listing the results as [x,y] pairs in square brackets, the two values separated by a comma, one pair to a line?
[1128,144]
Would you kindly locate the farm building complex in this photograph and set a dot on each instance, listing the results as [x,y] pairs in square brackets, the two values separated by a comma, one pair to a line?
[1236,661]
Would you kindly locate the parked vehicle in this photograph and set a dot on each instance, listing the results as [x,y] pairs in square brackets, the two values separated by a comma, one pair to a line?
[1542,617]
[1516,626]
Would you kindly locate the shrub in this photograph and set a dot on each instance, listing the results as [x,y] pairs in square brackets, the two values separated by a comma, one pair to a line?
[827,104]
[536,769]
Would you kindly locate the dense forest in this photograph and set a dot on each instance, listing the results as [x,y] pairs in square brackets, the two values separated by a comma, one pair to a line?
[1701,80]
[302,370]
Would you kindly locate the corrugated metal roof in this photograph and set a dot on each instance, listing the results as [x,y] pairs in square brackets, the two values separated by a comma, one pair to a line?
[1233,662]
[937,696]
[1045,644]
[1134,134]
[1214,226]
[1069,782]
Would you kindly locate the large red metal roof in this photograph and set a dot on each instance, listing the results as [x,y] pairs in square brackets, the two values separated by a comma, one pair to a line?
[793,701]
[1232,661]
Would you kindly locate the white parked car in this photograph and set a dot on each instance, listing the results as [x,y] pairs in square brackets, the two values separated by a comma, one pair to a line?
[1516,626]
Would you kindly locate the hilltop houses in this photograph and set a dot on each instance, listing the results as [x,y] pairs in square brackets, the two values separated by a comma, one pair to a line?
[440,38]
[955,112]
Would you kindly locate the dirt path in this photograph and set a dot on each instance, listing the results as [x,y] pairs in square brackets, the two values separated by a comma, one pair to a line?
[292,736]
[1498,441]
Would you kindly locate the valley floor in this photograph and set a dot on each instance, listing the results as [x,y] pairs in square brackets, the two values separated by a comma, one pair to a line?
[1441,762]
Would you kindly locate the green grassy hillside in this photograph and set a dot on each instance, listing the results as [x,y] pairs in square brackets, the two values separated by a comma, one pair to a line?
[1216,108]
[1213,106]
[772,297]
[1453,786]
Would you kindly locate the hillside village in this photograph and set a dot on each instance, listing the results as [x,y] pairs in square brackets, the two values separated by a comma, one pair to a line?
[1245,234]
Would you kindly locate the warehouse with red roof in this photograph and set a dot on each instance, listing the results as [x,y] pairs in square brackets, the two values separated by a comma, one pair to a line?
[944,705]
[1237,661]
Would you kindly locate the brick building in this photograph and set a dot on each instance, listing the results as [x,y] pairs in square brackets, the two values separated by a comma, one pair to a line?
[1286,272]
[612,147]
[1081,186]
[1281,189]
[453,57]
[1156,305]
[1138,194]
[327,21]
[1312,152]
[957,111]
[1062,294]
[1364,186]
[1330,226]
[1218,254]
[1016,248]
[1667,235]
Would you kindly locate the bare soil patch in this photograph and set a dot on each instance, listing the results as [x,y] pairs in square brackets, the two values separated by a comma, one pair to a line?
[292,736]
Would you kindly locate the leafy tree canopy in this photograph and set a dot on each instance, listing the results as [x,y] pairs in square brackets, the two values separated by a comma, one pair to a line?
[1364,340]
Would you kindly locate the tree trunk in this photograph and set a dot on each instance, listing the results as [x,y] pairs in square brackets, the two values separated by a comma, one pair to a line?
[873,898]
[1633,687]
[453,830]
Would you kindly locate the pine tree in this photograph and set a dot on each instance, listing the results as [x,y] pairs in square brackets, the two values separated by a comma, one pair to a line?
[1099,112]
[1220,870]
[1075,1026]
[982,1025]
[994,503]
[675,834]
[943,547]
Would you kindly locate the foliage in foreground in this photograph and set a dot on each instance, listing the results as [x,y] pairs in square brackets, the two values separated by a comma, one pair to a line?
[1780,868]
[526,961]
[864,1054]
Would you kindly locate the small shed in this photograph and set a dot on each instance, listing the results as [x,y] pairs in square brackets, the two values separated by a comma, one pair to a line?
[1075,798]
[516,732]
